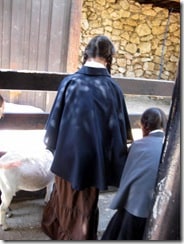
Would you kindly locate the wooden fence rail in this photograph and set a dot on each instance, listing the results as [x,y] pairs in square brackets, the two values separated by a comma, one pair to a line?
[40,81]
[46,81]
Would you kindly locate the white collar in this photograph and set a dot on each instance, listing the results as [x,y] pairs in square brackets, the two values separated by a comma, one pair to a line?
[94,64]
[154,131]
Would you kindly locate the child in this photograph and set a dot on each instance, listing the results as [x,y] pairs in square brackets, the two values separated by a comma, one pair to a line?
[133,199]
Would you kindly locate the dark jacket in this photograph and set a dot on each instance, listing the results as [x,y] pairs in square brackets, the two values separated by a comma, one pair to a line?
[138,180]
[88,129]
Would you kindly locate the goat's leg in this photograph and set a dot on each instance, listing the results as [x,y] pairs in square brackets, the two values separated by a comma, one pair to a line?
[6,200]
[49,189]
[9,213]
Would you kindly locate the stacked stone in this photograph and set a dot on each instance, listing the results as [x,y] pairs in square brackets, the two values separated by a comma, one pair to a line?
[147,38]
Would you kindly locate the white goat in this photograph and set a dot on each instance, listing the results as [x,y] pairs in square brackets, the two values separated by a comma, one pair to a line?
[28,171]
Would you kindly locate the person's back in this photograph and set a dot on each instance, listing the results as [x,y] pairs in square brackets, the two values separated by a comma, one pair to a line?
[133,199]
[139,174]
[88,130]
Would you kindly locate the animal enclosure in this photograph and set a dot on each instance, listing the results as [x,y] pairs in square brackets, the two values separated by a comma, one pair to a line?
[46,81]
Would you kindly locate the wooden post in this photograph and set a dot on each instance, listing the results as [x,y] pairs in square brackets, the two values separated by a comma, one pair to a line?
[74,36]
[164,222]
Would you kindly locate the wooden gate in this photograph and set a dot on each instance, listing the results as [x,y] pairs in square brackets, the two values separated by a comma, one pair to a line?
[36,34]
[39,35]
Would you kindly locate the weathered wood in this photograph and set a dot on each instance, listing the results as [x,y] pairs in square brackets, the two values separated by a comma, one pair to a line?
[6,30]
[17,80]
[58,46]
[164,222]
[16,37]
[23,121]
[74,36]
[37,121]
[35,34]
[50,81]
[47,81]
[140,86]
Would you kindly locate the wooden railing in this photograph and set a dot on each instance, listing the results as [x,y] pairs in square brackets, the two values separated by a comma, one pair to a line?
[37,81]
[44,81]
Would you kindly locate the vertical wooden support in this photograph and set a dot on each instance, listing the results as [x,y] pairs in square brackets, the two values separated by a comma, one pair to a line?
[164,222]
[74,36]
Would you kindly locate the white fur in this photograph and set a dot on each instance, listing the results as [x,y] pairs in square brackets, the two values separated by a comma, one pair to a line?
[28,171]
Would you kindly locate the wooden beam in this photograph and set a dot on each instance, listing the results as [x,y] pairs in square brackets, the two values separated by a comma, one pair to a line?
[74,36]
[23,121]
[137,86]
[17,80]
[46,81]
[37,121]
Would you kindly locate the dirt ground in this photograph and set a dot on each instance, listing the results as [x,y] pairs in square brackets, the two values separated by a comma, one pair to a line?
[137,104]
[25,221]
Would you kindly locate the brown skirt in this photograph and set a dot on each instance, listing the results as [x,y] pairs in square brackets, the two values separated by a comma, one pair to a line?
[71,214]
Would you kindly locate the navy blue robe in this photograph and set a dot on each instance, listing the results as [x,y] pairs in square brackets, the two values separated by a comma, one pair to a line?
[88,130]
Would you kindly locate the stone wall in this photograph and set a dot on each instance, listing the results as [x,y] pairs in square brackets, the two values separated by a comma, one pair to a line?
[147,38]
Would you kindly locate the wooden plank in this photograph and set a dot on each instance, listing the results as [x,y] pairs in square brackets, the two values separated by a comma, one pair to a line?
[142,86]
[23,121]
[74,36]
[34,34]
[27,32]
[50,81]
[15,80]
[44,35]
[32,98]
[6,34]
[17,34]
[36,121]
[1,30]
[59,35]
